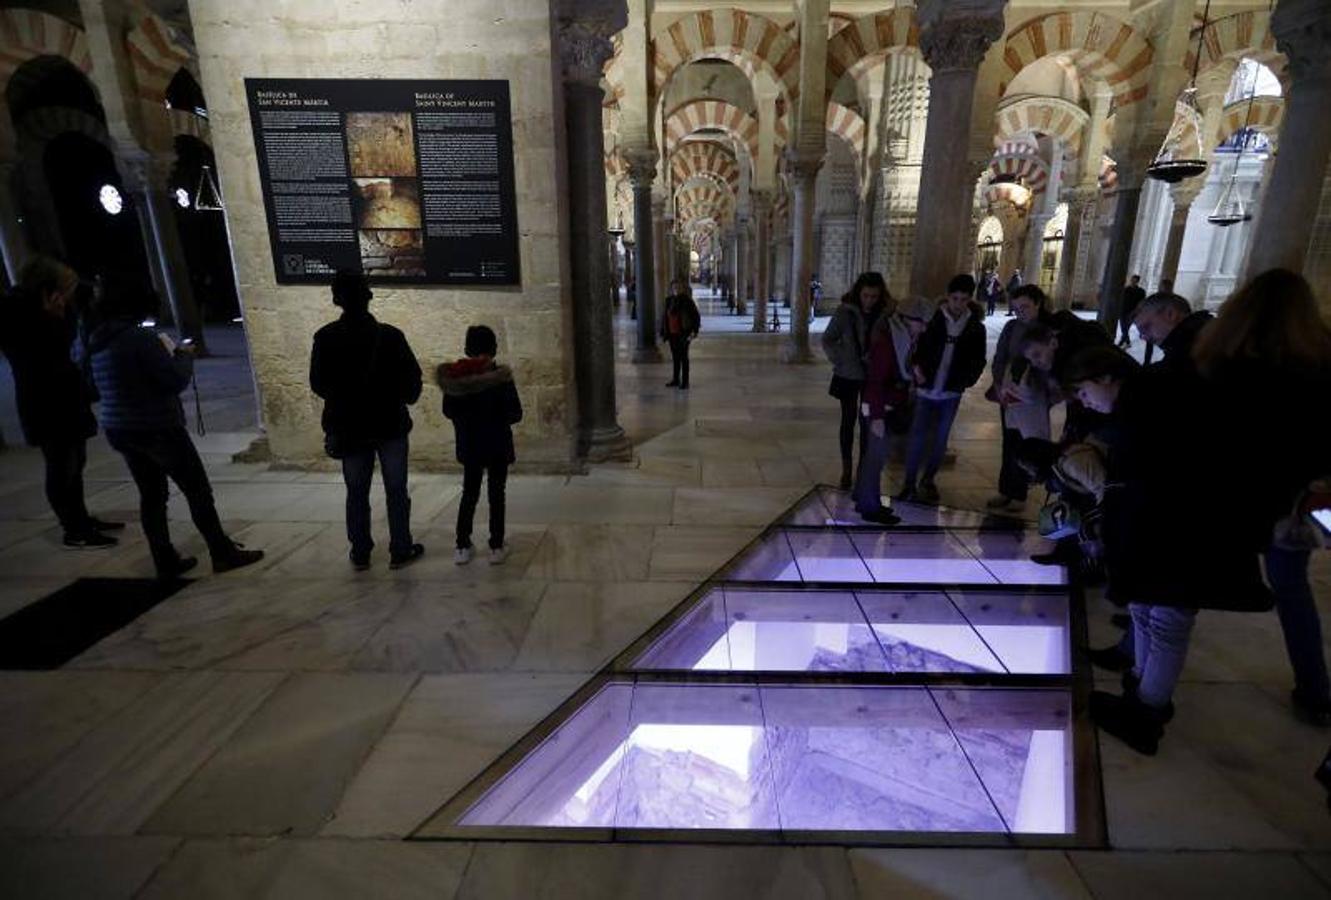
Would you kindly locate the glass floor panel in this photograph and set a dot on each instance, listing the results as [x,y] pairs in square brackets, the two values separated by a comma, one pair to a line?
[743,629]
[845,684]
[798,758]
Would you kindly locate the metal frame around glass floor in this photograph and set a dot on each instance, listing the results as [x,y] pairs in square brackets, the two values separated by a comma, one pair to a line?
[766,699]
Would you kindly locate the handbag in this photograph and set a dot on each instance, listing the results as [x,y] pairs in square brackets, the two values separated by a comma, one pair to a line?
[339,446]
[1058,519]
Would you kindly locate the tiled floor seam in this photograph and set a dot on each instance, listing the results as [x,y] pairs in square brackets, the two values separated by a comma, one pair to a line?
[161,867]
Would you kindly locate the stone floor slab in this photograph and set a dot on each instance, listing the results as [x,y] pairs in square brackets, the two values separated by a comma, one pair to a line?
[1204,876]
[962,874]
[80,868]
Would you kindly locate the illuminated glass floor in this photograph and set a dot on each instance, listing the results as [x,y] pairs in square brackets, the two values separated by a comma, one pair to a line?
[832,683]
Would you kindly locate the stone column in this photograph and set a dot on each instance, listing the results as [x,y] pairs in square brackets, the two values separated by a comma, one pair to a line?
[148,177]
[1126,201]
[642,170]
[1034,255]
[1182,194]
[762,214]
[954,37]
[1078,200]
[13,242]
[1285,219]
[738,264]
[805,175]
[584,47]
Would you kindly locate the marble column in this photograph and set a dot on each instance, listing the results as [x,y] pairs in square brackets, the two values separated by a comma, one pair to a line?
[804,170]
[1285,218]
[953,38]
[148,177]
[584,47]
[762,213]
[13,241]
[642,170]
[1033,256]
[1078,199]
[1182,194]
[661,255]
[738,263]
[1126,201]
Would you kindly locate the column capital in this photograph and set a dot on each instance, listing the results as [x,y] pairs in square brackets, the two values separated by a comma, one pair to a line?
[1302,29]
[956,35]
[584,49]
[1079,197]
[802,164]
[642,165]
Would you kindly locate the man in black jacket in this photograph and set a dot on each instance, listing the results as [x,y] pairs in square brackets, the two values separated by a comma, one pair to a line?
[54,399]
[1167,321]
[1133,295]
[949,358]
[367,376]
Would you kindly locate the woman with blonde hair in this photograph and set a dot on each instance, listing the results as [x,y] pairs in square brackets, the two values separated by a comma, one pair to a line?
[1268,355]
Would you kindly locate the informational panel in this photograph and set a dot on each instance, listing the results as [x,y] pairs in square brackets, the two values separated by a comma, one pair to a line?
[406,181]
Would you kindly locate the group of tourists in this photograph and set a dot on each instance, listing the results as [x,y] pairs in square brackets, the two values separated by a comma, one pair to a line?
[1189,482]
[71,345]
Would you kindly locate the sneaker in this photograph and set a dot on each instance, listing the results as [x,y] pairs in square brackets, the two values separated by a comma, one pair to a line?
[928,492]
[881,516]
[1130,682]
[905,495]
[672,384]
[1129,720]
[1314,712]
[1111,659]
[88,540]
[97,524]
[415,553]
[174,570]
[360,563]
[238,558]
[498,555]
[462,556]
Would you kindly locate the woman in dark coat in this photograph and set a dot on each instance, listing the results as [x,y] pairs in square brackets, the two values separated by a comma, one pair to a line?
[1170,545]
[1268,354]
[846,344]
[37,331]
[680,321]
[482,401]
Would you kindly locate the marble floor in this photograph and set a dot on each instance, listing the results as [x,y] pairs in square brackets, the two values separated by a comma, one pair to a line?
[276,732]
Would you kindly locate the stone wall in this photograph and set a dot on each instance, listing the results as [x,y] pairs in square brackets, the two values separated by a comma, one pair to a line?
[502,39]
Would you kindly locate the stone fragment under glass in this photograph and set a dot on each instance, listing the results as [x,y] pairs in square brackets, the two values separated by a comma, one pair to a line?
[798,758]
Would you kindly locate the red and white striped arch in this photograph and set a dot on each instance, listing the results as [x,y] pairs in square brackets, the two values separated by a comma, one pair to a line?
[748,40]
[1100,46]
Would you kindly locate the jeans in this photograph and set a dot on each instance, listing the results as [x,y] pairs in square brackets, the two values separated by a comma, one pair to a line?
[869,480]
[1161,641]
[679,361]
[358,472]
[1287,573]
[152,457]
[1012,481]
[65,460]
[933,418]
[471,495]
[850,414]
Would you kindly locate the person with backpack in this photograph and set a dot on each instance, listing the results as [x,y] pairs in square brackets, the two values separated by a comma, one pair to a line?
[481,400]
[680,322]
[367,376]
[37,331]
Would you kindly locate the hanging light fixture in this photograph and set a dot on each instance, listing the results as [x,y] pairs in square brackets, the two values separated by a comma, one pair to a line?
[1229,209]
[1172,164]
[207,198]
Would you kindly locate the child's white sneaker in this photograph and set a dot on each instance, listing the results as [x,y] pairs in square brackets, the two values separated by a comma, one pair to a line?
[498,555]
[462,556]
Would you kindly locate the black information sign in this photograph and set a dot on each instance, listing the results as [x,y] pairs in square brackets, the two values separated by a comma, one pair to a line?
[408,181]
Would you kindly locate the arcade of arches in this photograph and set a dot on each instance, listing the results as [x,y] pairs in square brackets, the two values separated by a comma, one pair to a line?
[759,145]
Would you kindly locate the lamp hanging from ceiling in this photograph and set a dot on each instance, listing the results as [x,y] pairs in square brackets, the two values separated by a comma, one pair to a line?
[1230,209]
[207,197]
[1173,162]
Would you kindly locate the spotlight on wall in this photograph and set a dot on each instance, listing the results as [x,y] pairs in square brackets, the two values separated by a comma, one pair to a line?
[182,198]
[111,200]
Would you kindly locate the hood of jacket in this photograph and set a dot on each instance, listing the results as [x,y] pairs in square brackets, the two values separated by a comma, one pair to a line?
[471,376]
[1180,340]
